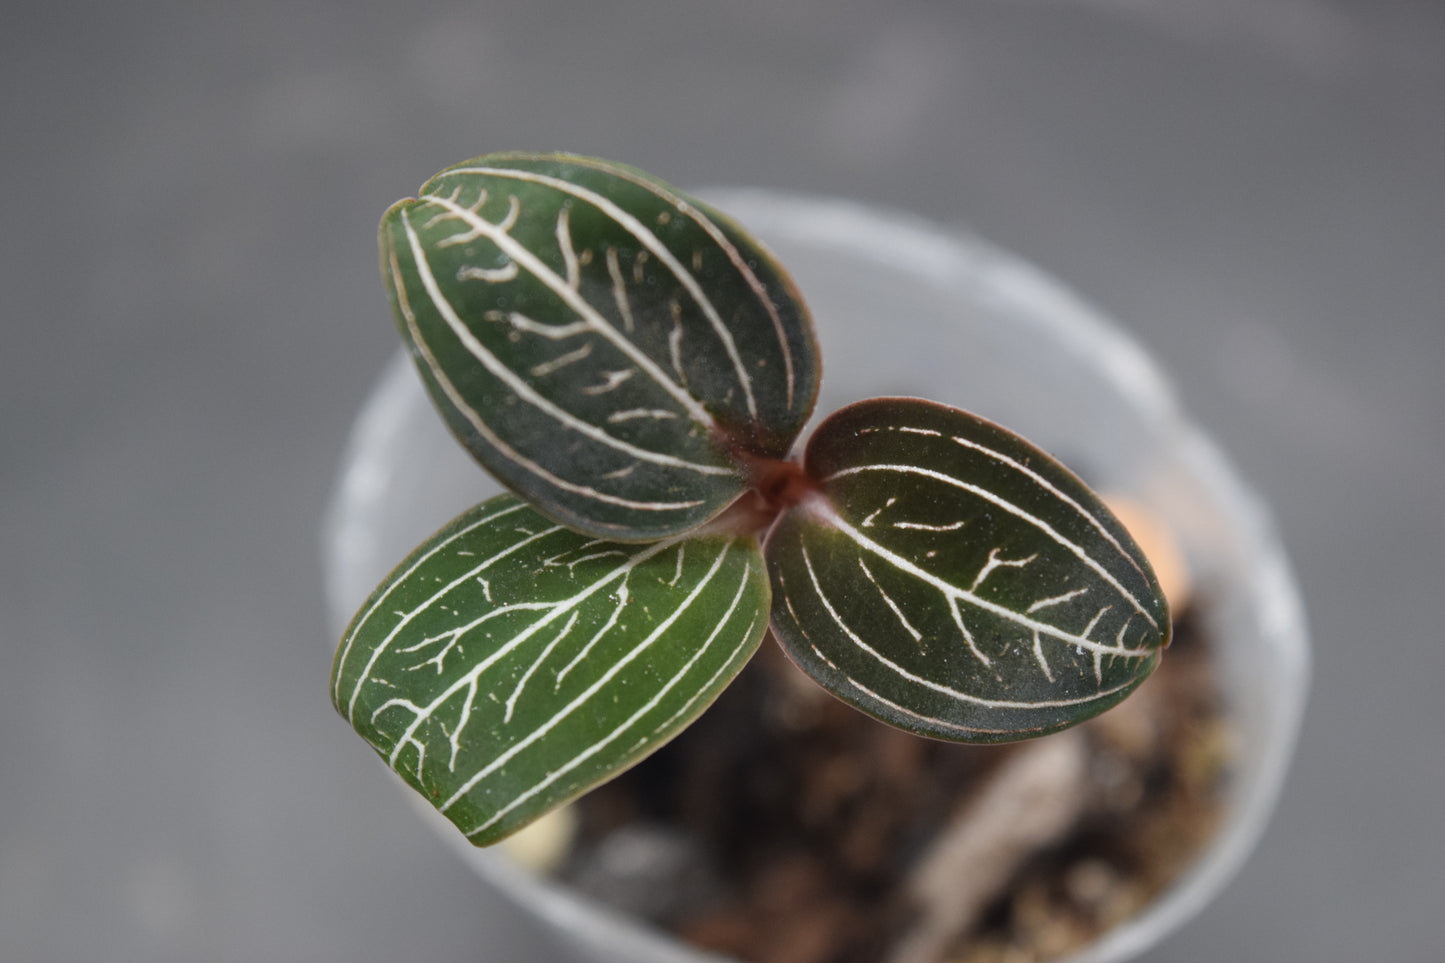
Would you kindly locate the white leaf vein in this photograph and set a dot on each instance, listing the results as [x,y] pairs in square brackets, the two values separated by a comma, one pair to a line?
[545,729]
[573,299]
[659,250]
[491,437]
[1012,509]
[647,707]
[825,514]
[520,386]
[930,684]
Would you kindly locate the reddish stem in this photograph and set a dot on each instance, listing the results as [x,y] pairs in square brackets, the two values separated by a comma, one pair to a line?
[776,484]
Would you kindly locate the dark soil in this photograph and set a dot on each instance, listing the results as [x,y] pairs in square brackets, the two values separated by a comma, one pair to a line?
[785,827]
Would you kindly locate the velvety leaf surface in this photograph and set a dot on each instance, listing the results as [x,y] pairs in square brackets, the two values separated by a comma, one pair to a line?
[957,582]
[509,664]
[595,337]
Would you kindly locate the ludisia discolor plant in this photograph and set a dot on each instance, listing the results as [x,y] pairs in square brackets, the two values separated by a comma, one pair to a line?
[637,370]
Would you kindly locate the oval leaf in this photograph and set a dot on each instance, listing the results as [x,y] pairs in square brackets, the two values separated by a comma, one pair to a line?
[953,580]
[510,664]
[599,341]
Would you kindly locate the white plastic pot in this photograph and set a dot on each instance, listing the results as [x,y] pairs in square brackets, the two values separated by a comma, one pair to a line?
[903,307]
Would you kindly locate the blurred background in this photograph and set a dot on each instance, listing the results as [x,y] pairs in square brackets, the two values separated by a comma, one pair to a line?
[191,316]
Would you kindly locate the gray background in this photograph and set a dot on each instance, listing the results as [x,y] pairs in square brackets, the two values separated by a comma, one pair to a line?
[191,315]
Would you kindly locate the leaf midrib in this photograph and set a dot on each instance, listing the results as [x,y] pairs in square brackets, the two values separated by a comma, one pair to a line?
[524,389]
[825,514]
[649,240]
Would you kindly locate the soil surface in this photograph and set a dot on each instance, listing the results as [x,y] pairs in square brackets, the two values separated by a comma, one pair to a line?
[786,827]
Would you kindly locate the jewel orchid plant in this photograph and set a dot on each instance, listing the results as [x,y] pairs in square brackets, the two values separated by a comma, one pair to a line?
[636,369]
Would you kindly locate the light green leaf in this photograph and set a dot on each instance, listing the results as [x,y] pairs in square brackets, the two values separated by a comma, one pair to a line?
[602,343]
[509,664]
[955,581]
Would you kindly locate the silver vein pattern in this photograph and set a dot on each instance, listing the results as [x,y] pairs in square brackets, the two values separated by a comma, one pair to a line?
[954,580]
[510,664]
[597,340]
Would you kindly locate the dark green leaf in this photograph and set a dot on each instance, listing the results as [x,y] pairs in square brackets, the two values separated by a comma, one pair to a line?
[510,664]
[955,581]
[598,340]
